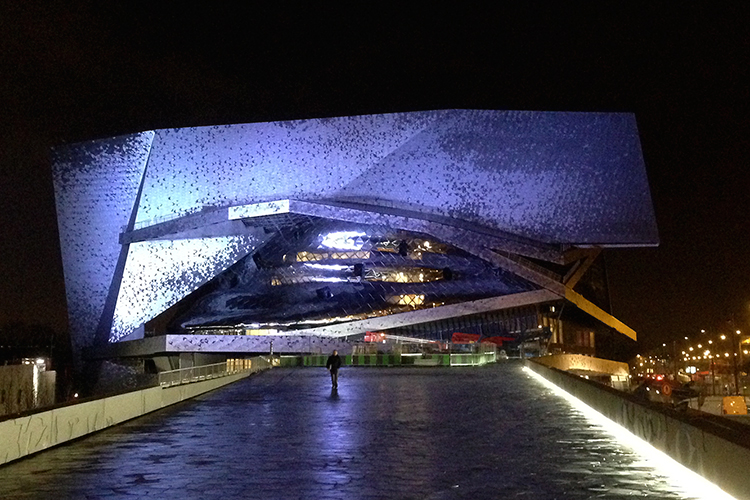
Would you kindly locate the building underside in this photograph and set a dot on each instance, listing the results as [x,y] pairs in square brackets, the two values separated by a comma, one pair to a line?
[220,240]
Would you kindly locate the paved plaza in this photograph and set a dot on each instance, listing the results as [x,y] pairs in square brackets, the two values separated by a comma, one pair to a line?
[396,433]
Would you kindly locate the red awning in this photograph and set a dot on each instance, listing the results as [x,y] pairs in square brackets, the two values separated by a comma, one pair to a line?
[464,338]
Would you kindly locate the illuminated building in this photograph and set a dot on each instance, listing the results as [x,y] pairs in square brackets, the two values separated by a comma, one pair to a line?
[421,223]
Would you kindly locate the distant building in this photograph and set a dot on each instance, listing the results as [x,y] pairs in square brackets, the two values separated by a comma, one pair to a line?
[26,386]
[423,224]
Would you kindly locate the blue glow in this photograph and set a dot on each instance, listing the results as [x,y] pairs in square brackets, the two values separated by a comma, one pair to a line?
[343,240]
[317,279]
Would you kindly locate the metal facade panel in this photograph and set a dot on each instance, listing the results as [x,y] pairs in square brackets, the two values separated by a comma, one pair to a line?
[576,178]
[158,274]
[96,185]
[195,167]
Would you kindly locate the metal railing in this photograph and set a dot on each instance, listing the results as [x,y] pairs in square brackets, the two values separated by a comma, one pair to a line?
[164,218]
[205,372]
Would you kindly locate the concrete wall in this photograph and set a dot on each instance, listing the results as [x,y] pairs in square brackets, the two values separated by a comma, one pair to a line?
[225,345]
[567,362]
[29,434]
[716,448]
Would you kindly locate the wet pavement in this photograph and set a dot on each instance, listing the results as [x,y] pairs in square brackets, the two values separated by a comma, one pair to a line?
[397,433]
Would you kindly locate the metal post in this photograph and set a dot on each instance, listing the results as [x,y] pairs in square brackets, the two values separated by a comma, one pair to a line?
[713,378]
[734,357]
[736,378]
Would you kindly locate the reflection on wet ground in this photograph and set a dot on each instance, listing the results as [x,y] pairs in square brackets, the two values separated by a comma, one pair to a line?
[417,433]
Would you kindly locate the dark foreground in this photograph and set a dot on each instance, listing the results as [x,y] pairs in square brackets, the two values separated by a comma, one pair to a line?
[396,433]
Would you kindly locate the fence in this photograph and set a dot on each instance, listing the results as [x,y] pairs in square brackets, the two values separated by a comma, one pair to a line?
[205,372]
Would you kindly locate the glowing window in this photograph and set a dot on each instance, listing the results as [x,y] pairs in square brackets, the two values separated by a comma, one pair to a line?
[409,299]
[344,240]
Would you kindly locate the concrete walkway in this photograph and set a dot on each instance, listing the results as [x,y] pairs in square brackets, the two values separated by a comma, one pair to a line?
[396,433]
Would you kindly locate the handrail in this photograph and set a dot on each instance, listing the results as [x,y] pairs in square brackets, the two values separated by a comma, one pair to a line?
[159,219]
[197,373]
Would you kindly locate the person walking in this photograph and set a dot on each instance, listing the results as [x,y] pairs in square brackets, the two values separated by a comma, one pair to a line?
[333,364]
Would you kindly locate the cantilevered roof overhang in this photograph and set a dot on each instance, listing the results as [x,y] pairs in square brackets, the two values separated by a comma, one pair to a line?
[502,250]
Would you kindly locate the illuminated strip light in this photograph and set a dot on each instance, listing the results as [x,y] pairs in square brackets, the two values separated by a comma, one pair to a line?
[294,280]
[415,340]
[329,267]
[680,477]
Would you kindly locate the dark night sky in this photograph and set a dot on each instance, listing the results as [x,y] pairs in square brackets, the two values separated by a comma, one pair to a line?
[86,70]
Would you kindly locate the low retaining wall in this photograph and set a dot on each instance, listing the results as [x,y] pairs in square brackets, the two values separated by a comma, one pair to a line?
[392,360]
[23,436]
[346,360]
[714,447]
[584,363]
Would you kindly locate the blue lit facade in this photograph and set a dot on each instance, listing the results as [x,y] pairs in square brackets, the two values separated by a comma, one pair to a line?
[338,226]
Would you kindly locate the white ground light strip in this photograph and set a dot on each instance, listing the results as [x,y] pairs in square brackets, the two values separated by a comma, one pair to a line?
[683,479]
